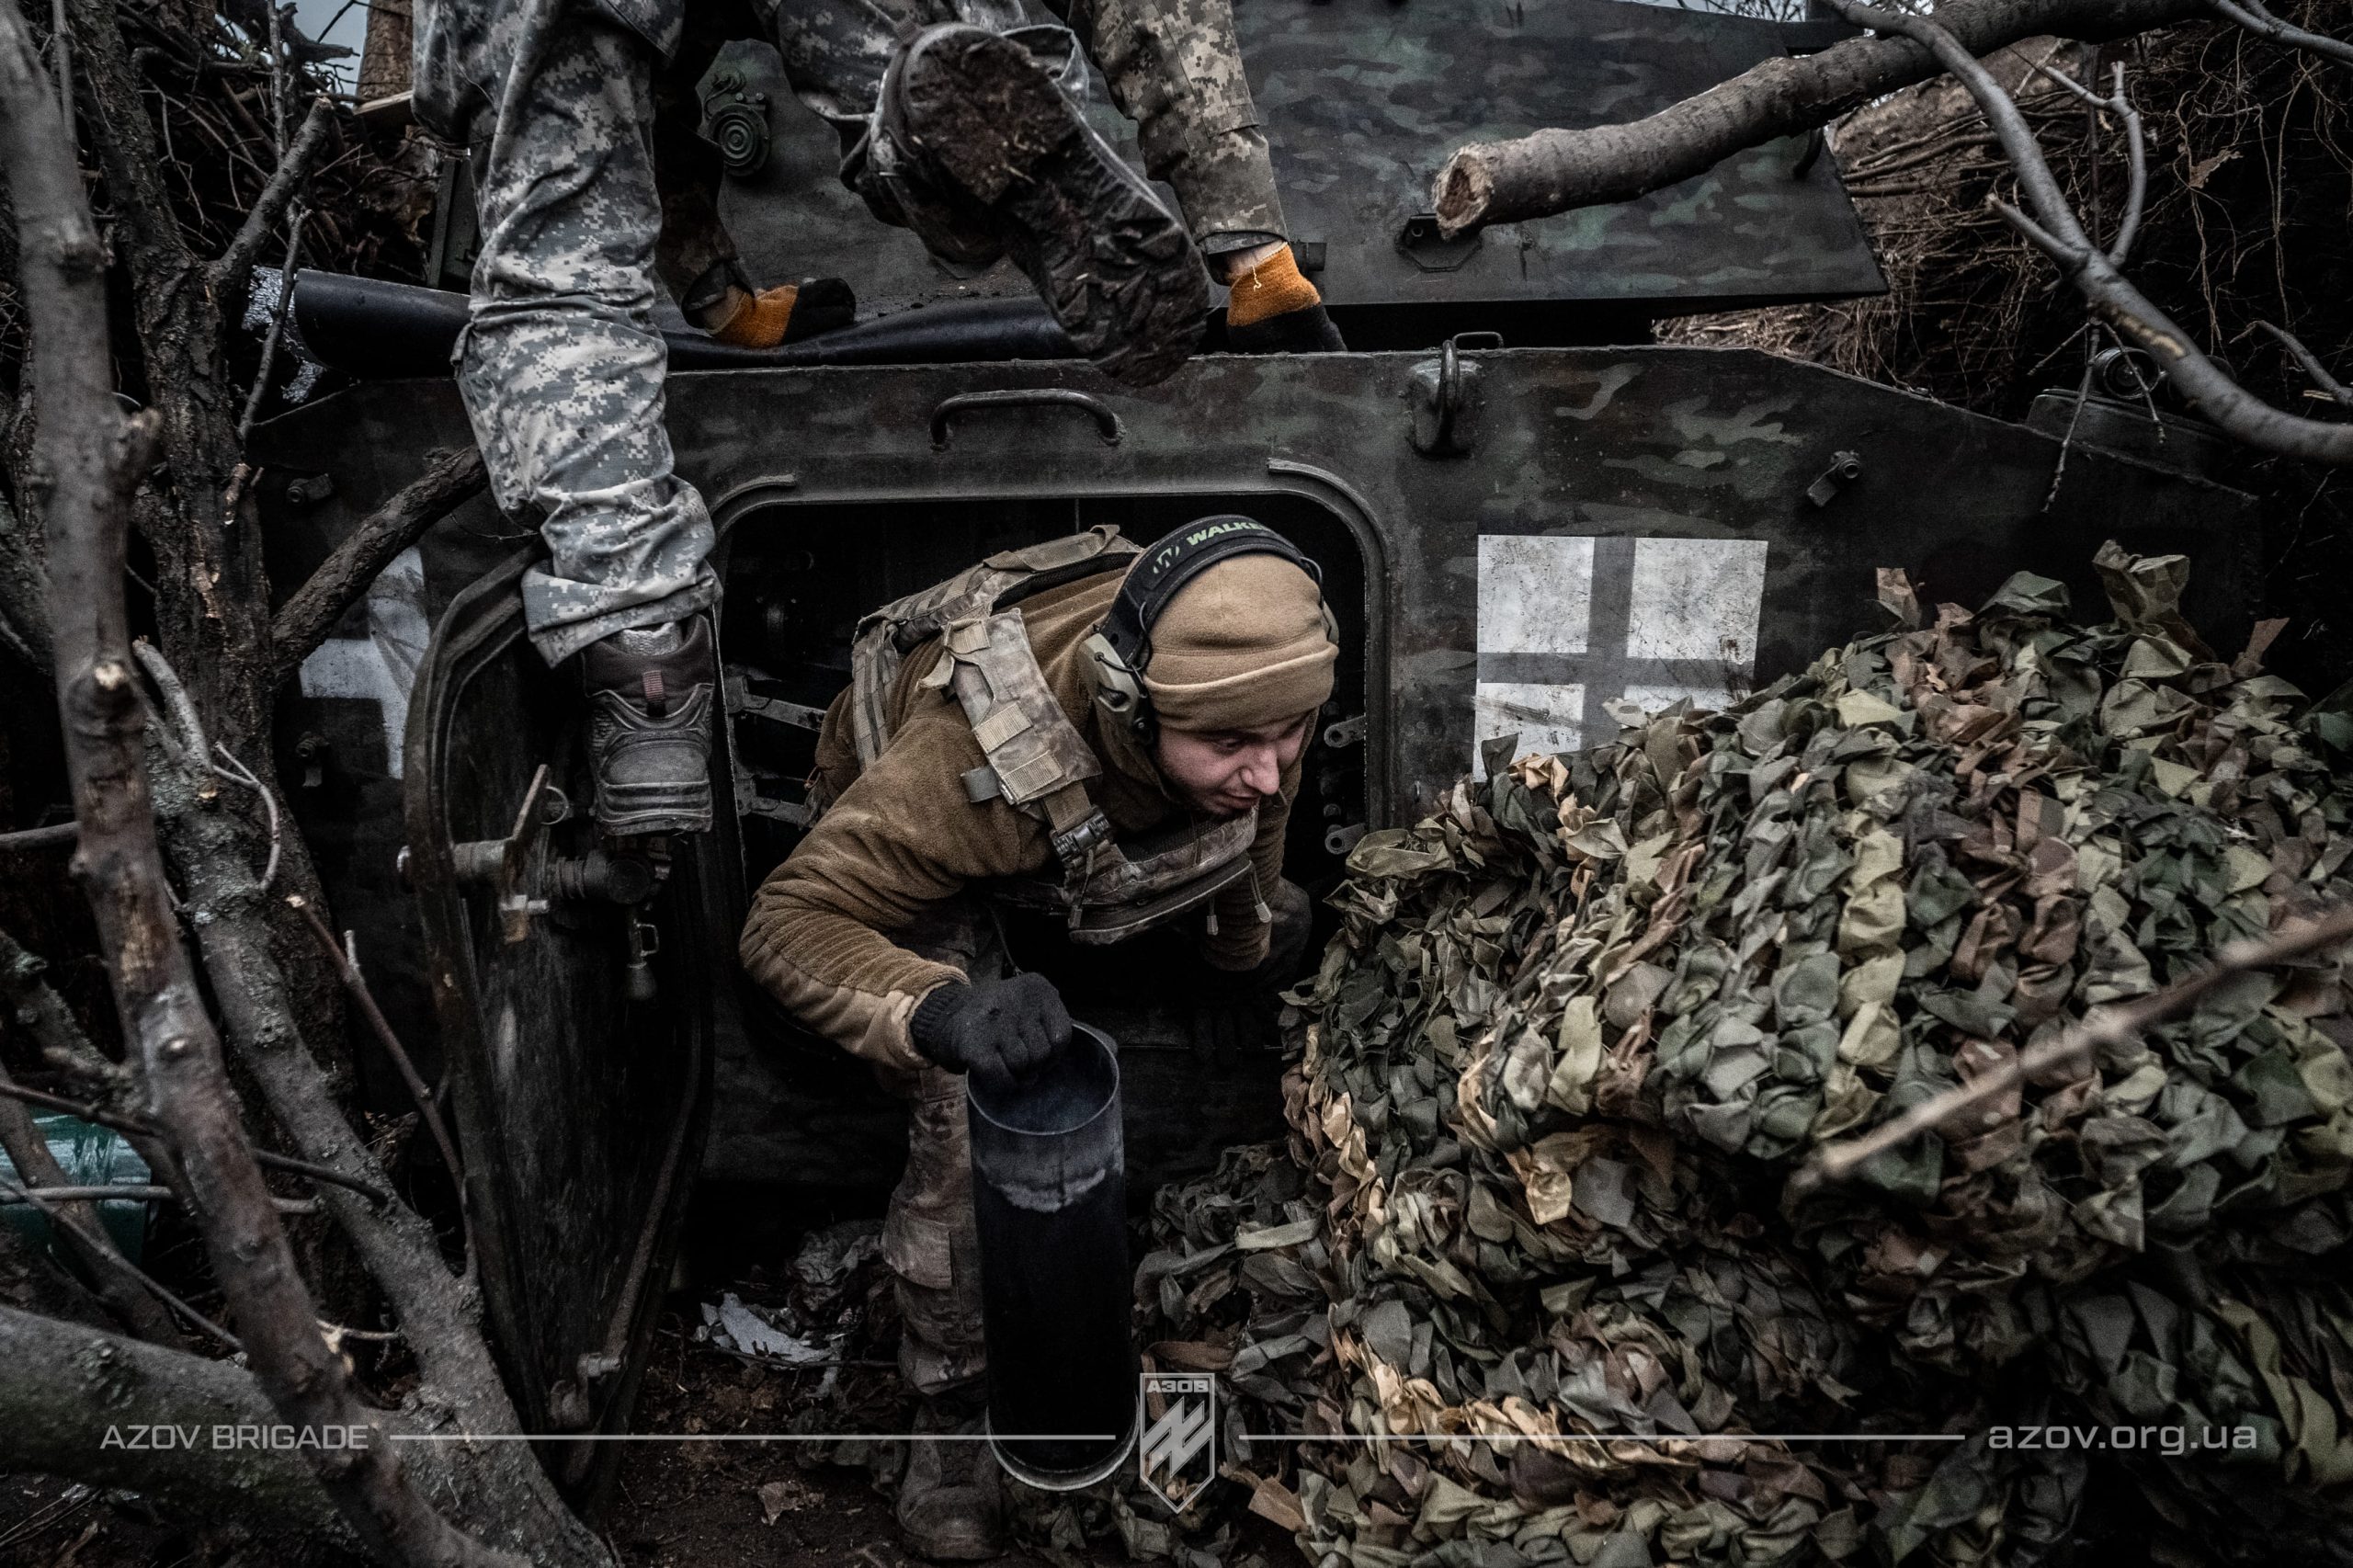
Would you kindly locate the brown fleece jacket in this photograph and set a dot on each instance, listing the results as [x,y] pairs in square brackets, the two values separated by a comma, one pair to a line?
[900,838]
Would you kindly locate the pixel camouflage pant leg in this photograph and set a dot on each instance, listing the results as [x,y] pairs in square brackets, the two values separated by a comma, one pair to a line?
[1174,68]
[561,365]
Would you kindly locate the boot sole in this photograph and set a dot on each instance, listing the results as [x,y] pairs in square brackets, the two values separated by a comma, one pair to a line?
[1112,263]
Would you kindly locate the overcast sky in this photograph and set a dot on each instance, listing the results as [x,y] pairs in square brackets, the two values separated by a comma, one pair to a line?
[333,21]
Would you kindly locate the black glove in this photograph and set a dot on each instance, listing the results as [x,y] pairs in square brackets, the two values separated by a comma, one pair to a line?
[1000,1029]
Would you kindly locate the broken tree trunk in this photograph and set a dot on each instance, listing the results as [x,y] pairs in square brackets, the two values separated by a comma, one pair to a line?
[1559,171]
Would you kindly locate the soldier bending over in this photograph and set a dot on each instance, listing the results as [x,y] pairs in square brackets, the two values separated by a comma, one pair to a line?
[1123,746]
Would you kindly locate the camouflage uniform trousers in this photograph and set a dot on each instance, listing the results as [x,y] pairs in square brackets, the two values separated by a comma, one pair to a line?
[1172,66]
[561,364]
[930,1238]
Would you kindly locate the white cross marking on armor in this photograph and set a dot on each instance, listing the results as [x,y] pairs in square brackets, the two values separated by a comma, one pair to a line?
[1567,625]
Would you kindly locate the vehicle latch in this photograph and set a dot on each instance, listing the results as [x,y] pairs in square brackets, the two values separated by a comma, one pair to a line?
[1431,251]
[1445,395]
[1844,470]
[502,865]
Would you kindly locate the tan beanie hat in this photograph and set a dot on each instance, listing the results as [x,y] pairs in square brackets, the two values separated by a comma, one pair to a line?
[1240,646]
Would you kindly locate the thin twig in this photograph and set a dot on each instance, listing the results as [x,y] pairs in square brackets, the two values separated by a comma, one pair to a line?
[269,343]
[185,731]
[244,775]
[140,1193]
[2250,14]
[366,1001]
[133,1125]
[277,79]
[61,835]
[2311,365]
[61,41]
[2078,1048]
[2067,442]
[116,1260]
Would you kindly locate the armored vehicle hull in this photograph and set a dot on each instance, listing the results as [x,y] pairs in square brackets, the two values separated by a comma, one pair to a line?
[1515,539]
[1514,542]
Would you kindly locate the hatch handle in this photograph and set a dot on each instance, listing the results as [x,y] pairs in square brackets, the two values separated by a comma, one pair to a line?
[1107,423]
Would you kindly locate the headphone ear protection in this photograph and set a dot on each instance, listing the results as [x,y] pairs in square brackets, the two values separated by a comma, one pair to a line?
[1122,646]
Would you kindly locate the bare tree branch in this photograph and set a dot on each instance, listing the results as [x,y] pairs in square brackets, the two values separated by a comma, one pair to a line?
[1559,171]
[2051,226]
[68,1198]
[303,621]
[25,840]
[126,1124]
[2250,14]
[132,1306]
[233,274]
[2077,1048]
[2136,152]
[94,457]
[2312,367]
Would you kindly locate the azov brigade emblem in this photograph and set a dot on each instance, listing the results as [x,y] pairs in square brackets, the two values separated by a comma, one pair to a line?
[1178,1453]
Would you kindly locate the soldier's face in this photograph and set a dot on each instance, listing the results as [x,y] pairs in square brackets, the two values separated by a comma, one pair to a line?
[1228,772]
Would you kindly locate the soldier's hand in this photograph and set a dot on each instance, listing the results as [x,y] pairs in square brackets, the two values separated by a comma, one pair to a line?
[1001,1029]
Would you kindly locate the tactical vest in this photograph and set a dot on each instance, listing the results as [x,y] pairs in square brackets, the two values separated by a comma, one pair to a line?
[1035,758]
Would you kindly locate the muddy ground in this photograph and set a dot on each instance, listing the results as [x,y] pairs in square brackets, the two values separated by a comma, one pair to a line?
[685,1504]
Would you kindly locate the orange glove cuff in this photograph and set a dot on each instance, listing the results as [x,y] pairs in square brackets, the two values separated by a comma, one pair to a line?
[759,321]
[1273,288]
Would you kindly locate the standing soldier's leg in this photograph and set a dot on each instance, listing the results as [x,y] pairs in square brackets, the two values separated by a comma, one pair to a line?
[949,1504]
[561,368]
[1174,68]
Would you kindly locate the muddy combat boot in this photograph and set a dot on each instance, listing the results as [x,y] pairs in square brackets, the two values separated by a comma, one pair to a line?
[971,116]
[951,1505]
[650,698]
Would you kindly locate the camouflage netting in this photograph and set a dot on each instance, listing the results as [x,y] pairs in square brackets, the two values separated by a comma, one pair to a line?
[1584,1023]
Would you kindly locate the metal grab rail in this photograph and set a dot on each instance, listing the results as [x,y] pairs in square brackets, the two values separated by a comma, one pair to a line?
[1107,424]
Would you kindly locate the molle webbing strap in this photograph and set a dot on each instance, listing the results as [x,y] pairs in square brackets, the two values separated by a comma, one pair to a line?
[885,636]
[1028,743]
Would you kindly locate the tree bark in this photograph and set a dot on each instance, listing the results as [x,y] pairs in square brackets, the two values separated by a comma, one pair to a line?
[68,1383]
[212,592]
[91,457]
[509,1499]
[1559,171]
[303,621]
